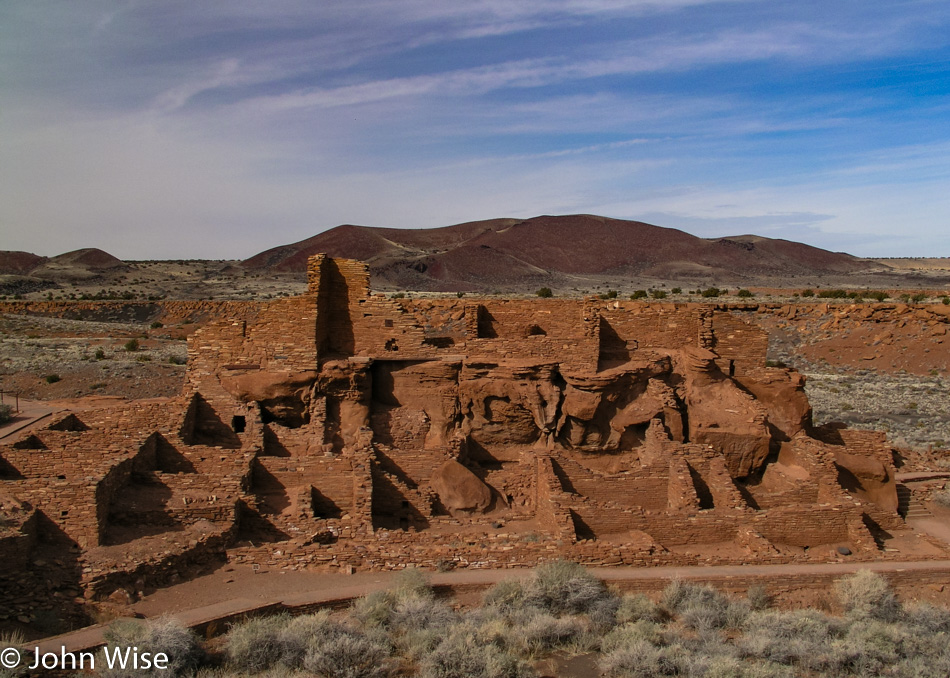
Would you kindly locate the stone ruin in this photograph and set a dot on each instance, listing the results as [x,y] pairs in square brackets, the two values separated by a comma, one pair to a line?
[341,429]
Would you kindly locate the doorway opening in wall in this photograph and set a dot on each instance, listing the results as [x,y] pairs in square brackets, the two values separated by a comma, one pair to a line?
[238,423]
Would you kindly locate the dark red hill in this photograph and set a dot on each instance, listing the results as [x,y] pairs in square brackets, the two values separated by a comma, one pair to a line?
[501,252]
[18,263]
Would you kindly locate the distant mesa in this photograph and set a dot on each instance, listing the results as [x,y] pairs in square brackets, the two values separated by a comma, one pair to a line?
[501,252]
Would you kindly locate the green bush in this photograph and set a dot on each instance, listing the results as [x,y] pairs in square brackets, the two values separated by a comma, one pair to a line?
[711,292]
[398,295]
[808,293]
[745,294]
[677,290]
[52,378]
[877,296]
[639,294]
[832,294]
[609,294]
[545,292]
[100,354]
[6,413]
[132,345]
[919,297]
[946,301]
[155,325]
[658,294]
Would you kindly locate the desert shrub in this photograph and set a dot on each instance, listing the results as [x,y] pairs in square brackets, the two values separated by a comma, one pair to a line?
[632,633]
[868,648]
[927,618]
[658,294]
[348,655]
[257,644]
[732,667]
[545,292]
[866,595]
[800,637]
[536,631]
[155,325]
[563,587]
[164,635]
[946,300]
[603,613]
[378,609]
[398,295]
[100,354]
[640,658]
[6,413]
[758,598]
[175,360]
[919,297]
[703,607]
[876,295]
[677,290]
[710,292]
[52,378]
[808,293]
[14,639]
[832,294]
[421,612]
[505,596]
[132,345]
[636,607]
[745,294]
[639,294]
[609,294]
[461,655]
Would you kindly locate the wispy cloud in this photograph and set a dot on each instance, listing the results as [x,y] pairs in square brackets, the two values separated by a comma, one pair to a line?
[221,128]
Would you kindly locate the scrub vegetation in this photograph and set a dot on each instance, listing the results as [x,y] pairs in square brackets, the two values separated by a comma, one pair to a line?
[561,611]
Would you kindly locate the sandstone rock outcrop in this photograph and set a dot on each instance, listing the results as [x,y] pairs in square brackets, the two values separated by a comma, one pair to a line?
[459,489]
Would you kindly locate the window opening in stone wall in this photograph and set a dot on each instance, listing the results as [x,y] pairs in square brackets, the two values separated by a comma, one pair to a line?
[391,345]
[238,423]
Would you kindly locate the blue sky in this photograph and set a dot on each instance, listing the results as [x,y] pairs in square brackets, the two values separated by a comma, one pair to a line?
[216,129]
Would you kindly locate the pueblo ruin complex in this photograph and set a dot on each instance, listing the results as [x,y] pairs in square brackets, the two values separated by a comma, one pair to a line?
[340,429]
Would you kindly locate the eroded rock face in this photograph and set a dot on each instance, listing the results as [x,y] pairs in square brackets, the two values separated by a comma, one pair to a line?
[510,404]
[459,489]
[782,393]
[283,396]
[721,414]
[611,410]
[867,477]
